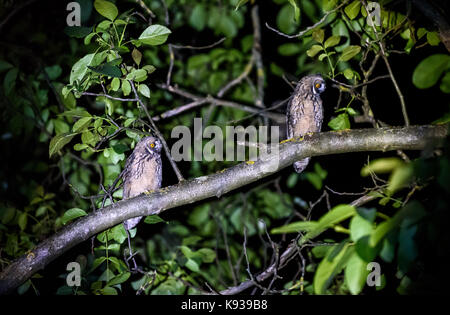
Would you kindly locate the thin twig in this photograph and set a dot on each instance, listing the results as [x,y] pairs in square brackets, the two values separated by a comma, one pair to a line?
[146,8]
[166,10]
[180,109]
[257,55]
[216,101]
[158,134]
[200,47]
[111,97]
[391,74]
[300,34]
[237,80]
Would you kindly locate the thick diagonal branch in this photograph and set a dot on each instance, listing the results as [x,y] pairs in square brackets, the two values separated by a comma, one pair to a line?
[215,185]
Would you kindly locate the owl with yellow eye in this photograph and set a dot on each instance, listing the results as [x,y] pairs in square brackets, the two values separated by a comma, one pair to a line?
[305,111]
[142,172]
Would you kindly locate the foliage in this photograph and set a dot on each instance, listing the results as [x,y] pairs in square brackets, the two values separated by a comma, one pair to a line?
[77,109]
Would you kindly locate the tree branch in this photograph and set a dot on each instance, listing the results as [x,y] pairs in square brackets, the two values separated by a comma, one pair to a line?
[186,192]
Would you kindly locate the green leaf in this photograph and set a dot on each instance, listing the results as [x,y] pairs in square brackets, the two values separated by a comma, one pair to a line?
[107,69]
[80,68]
[137,56]
[109,291]
[71,214]
[53,72]
[314,50]
[80,146]
[240,3]
[340,28]
[286,19]
[421,32]
[113,156]
[81,124]
[119,234]
[352,10]
[401,177]
[207,255]
[332,41]
[77,112]
[4,65]
[115,84]
[410,214]
[126,87]
[152,219]
[10,80]
[59,141]
[341,122]
[88,38]
[289,49]
[382,166]
[22,221]
[227,26]
[327,5]
[137,75]
[349,52]
[292,180]
[320,171]
[149,68]
[119,279]
[429,70]
[8,215]
[445,83]
[318,35]
[106,8]
[330,266]
[295,227]
[356,273]
[144,90]
[120,148]
[433,38]
[88,137]
[77,31]
[359,227]
[322,56]
[97,262]
[192,265]
[187,252]
[198,17]
[154,35]
[24,287]
[314,179]
[348,73]
[334,216]
[407,248]
[296,10]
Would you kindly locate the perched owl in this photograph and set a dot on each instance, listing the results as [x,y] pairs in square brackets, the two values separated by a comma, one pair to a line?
[143,172]
[304,111]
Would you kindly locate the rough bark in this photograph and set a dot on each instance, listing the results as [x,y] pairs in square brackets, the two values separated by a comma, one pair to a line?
[215,185]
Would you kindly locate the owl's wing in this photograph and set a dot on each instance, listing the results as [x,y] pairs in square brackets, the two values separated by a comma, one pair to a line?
[289,122]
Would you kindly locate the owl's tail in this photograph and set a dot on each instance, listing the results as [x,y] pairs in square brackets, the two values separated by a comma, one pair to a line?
[131,223]
[300,166]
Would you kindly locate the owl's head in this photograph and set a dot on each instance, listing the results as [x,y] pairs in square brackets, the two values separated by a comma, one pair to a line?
[149,145]
[315,82]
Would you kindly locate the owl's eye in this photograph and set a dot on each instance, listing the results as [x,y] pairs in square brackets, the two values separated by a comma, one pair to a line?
[152,145]
[318,85]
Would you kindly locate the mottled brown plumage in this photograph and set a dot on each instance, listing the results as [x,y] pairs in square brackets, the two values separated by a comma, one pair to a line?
[143,172]
[305,111]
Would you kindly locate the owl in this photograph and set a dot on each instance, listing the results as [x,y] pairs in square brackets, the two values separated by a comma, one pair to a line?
[143,172]
[304,111]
